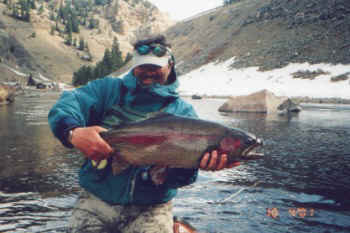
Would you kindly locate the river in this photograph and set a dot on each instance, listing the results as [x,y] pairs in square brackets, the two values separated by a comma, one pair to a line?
[302,185]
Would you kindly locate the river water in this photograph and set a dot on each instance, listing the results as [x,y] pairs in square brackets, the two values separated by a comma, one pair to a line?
[302,185]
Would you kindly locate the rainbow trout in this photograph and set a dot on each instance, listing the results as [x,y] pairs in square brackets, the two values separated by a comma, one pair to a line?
[176,141]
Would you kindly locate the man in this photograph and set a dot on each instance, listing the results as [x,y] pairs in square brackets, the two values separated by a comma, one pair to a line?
[139,198]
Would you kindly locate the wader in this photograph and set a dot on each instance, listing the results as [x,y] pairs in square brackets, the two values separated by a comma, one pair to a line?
[93,215]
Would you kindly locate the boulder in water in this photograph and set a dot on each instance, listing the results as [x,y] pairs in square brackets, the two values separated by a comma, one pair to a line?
[7,93]
[288,106]
[259,102]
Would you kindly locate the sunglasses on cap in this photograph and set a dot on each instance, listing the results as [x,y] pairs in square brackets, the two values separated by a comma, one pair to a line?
[156,49]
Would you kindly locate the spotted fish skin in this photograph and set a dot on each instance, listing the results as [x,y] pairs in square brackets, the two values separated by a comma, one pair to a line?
[176,141]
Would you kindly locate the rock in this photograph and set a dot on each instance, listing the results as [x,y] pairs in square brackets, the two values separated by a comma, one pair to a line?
[3,94]
[40,86]
[259,102]
[289,106]
[31,80]
[196,97]
[7,93]
[86,57]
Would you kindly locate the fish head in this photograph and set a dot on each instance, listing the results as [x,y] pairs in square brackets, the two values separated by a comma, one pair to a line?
[240,145]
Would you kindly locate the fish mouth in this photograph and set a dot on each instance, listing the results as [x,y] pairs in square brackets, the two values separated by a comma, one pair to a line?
[253,151]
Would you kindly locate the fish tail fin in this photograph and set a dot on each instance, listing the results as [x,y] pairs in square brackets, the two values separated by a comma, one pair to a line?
[181,225]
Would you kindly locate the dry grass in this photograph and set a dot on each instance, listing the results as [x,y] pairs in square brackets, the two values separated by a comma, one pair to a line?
[306,74]
[268,43]
[52,58]
[341,77]
[49,52]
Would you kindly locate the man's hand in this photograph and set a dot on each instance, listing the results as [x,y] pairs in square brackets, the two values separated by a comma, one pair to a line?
[90,143]
[215,162]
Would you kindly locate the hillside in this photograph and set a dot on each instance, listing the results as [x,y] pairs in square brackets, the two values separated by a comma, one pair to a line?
[265,33]
[34,47]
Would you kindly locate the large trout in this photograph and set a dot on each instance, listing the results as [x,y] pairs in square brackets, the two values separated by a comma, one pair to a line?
[176,141]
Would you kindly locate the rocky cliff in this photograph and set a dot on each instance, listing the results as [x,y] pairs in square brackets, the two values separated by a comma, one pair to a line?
[39,46]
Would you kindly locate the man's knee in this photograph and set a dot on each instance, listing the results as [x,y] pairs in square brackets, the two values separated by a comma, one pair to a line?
[92,215]
[153,219]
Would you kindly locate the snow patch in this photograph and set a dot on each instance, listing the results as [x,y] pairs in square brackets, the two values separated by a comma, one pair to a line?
[219,79]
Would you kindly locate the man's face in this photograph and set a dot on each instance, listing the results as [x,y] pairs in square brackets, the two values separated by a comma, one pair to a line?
[150,74]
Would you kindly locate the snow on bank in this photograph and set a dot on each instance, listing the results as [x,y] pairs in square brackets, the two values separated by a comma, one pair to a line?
[41,78]
[218,79]
[65,87]
[13,70]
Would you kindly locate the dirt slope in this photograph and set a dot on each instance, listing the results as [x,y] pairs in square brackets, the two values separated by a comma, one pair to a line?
[266,33]
[30,47]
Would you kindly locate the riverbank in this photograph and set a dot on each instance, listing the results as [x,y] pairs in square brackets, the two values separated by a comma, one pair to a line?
[294,99]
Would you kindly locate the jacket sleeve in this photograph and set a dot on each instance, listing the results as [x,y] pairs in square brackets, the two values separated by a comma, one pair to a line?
[178,177]
[82,106]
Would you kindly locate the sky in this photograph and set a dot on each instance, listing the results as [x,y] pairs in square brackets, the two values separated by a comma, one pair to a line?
[181,9]
[220,80]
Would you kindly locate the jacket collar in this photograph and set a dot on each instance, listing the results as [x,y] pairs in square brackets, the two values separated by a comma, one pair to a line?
[133,85]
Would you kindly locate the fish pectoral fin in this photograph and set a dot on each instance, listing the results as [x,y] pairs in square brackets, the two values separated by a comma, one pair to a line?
[119,165]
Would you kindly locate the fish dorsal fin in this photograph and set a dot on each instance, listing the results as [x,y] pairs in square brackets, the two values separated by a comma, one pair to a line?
[158,115]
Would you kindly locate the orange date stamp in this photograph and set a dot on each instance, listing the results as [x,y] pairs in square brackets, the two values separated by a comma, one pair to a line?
[299,212]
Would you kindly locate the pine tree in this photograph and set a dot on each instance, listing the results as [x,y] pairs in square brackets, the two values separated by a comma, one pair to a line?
[15,12]
[82,76]
[60,12]
[116,55]
[84,16]
[75,21]
[98,71]
[81,44]
[93,23]
[52,16]
[228,2]
[127,58]
[69,26]
[31,4]
[25,10]
[107,62]
[52,32]
[56,26]
[69,39]
[112,61]
[23,4]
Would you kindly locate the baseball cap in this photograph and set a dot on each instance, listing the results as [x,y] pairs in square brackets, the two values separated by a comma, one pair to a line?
[153,54]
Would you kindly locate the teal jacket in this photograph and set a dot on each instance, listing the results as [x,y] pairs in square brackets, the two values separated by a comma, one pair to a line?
[88,105]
